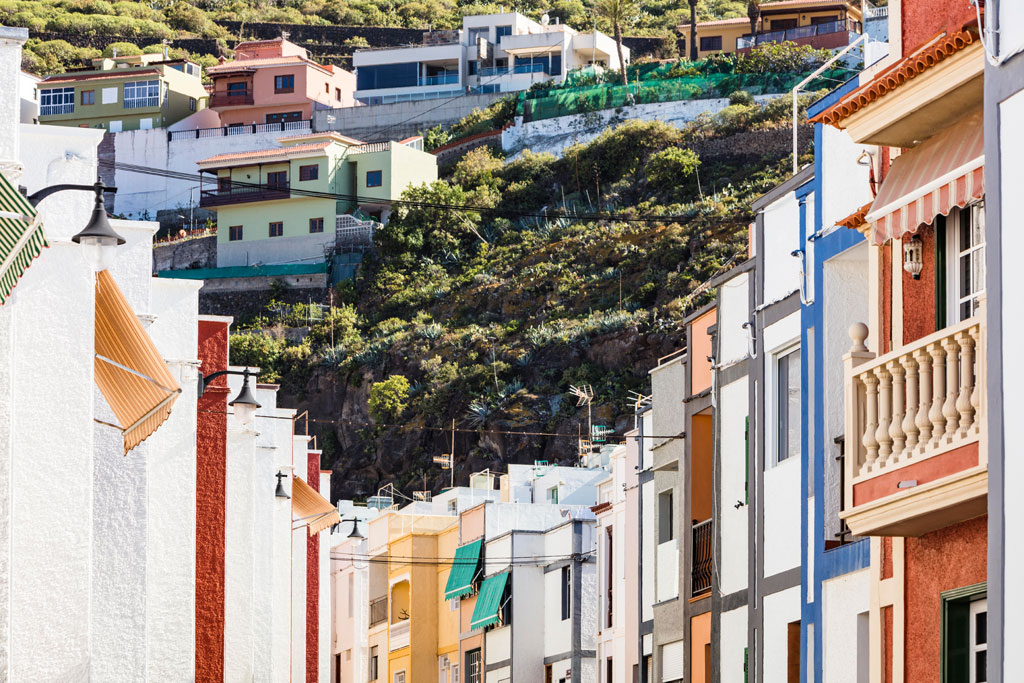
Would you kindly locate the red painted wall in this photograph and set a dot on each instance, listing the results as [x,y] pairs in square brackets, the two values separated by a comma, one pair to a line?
[923,471]
[922,20]
[211,473]
[919,295]
[949,558]
[313,582]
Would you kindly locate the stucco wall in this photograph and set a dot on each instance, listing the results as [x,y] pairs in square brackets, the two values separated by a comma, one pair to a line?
[732,413]
[401,119]
[732,642]
[781,238]
[780,609]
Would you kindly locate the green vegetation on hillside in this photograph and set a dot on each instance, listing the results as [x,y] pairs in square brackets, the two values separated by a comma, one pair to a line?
[488,315]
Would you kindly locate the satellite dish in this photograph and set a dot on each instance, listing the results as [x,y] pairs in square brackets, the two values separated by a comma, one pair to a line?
[545,20]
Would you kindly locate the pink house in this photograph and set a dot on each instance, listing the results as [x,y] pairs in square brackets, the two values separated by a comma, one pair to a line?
[275,81]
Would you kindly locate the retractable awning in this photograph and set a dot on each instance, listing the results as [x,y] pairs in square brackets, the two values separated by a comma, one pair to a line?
[21,236]
[312,510]
[130,372]
[464,570]
[944,172]
[488,603]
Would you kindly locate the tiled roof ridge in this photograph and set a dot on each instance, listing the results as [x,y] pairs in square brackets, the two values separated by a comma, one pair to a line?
[109,73]
[856,219]
[269,152]
[930,53]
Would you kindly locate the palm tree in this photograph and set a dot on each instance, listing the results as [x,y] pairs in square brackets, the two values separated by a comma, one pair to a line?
[619,13]
[693,30]
[753,13]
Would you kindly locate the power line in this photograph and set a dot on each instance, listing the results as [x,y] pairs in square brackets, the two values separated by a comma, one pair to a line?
[538,561]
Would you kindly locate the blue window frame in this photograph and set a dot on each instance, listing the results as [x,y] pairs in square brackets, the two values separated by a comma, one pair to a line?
[374,178]
[502,31]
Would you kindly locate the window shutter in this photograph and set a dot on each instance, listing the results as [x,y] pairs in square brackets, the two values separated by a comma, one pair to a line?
[744,665]
[956,641]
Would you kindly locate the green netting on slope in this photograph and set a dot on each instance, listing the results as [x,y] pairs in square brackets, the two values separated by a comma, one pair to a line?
[538,105]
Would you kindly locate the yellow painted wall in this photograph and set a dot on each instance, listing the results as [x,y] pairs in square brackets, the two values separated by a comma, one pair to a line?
[731,31]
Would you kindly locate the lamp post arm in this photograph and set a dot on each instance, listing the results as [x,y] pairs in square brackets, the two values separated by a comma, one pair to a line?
[206,379]
[42,194]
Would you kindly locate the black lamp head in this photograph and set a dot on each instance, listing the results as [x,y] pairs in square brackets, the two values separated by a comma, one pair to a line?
[98,227]
[245,397]
[355,533]
[280,492]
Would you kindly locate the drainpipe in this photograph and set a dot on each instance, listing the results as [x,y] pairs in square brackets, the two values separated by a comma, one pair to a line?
[576,647]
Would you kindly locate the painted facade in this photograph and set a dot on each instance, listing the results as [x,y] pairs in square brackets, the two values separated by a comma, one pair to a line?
[266,214]
[275,81]
[818,23]
[916,458]
[123,93]
[517,52]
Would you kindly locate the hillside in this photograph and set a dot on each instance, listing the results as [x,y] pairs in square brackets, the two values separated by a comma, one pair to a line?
[487,317]
[75,30]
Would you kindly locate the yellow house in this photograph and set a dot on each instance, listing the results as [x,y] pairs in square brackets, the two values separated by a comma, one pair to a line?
[818,23]
[448,613]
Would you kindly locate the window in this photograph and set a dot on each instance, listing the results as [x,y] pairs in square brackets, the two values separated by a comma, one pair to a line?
[472,64]
[327,88]
[823,20]
[399,677]
[473,668]
[373,663]
[964,652]
[783,24]
[566,592]
[191,104]
[965,247]
[387,76]
[235,233]
[276,229]
[141,94]
[284,83]
[476,33]
[505,608]
[284,117]
[223,184]
[502,31]
[609,671]
[88,97]
[238,88]
[311,172]
[337,94]
[793,652]
[374,178]
[666,512]
[551,495]
[453,605]
[708,43]
[610,599]
[277,179]
[787,405]
[316,225]
[55,101]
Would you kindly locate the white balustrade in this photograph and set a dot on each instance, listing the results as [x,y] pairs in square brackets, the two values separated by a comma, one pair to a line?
[920,400]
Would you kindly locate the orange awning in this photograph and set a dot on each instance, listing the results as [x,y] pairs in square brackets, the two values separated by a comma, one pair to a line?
[312,510]
[944,172]
[130,372]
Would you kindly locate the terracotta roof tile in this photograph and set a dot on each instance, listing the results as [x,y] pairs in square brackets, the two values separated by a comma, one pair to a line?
[112,73]
[265,153]
[261,61]
[766,6]
[856,219]
[897,74]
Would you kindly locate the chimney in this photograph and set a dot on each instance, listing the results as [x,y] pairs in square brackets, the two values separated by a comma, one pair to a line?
[11,42]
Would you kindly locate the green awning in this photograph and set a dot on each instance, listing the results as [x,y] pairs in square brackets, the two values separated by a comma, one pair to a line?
[21,236]
[488,602]
[464,570]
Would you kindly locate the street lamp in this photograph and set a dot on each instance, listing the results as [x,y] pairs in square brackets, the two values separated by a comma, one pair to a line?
[280,492]
[245,404]
[98,239]
[355,533]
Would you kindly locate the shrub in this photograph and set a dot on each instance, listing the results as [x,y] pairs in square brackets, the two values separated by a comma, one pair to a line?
[670,166]
[741,97]
[388,398]
[784,57]
[122,49]
[256,349]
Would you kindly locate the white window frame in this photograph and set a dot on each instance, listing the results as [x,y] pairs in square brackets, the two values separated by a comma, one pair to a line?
[954,255]
[977,607]
[453,604]
[777,403]
[139,94]
[399,677]
[61,99]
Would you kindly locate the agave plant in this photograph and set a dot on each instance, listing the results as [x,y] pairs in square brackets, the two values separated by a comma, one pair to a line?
[478,412]
[431,331]
[334,356]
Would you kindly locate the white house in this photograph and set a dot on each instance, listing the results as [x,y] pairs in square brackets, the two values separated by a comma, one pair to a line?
[502,52]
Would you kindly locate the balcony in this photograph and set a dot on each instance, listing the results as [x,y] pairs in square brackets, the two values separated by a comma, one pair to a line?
[667,579]
[831,34]
[398,635]
[915,459]
[233,98]
[243,195]
[489,71]
[449,78]
[700,580]
[142,102]
[56,109]
[378,611]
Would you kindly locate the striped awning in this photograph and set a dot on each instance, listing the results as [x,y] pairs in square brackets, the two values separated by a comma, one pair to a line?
[130,372]
[21,236]
[312,510]
[944,172]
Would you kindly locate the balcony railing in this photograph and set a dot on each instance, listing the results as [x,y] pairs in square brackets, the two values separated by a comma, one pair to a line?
[244,194]
[378,611]
[232,98]
[398,635]
[799,33]
[141,102]
[443,79]
[56,109]
[702,548]
[920,401]
[507,70]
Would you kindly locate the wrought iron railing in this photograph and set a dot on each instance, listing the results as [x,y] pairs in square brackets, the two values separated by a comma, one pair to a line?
[701,557]
[247,129]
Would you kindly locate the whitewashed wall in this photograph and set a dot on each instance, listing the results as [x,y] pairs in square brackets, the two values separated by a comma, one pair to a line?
[780,610]
[844,183]
[733,640]
[732,413]
[781,238]
[844,636]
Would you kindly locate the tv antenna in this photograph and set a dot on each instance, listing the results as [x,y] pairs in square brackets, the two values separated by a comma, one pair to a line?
[447,460]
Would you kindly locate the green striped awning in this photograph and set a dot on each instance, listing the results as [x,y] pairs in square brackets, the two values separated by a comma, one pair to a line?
[21,236]
[488,602]
[464,570]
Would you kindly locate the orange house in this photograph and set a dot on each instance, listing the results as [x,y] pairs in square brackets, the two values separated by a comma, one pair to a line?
[916,439]
[275,81]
